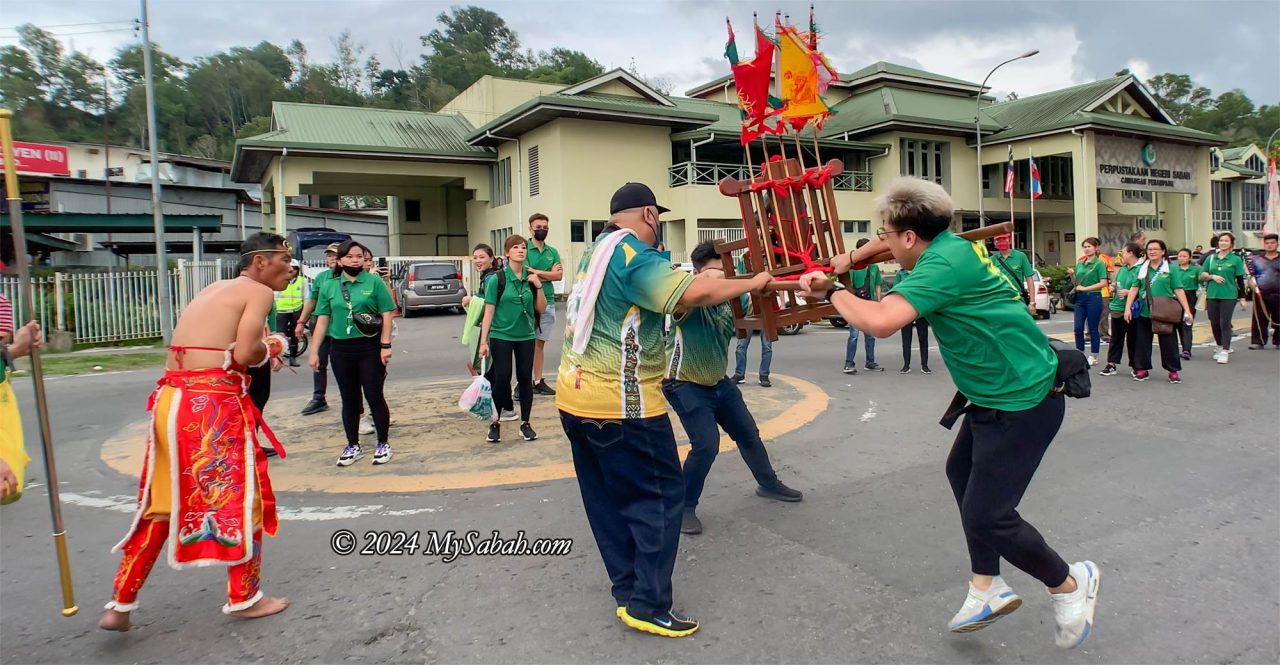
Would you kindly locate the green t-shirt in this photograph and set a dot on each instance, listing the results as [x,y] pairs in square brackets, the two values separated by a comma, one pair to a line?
[318,282]
[368,294]
[868,278]
[514,317]
[1228,269]
[619,374]
[1162,283]
[998,357]
[1126,277]
[1090,271]
[543,259]
[1190,275]
[1019,265]
[698,345]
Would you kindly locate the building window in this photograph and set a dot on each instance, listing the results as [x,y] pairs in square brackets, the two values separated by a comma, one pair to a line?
[577,230]
[1253,205]
[500,183]
[534,186]
[969,224]
[1255,163]
[1149,223]
[597,227]
[1132,196]
[412,210]
[856,226]
[1221,205]
[1215,160]
[497,237]
[928,160]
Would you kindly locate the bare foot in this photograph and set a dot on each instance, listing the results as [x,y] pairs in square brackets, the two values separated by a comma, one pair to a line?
[263,608]
[114,620]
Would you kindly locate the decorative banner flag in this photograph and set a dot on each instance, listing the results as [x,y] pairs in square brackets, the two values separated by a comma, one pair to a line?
[1273,199]
[799,78]
[1008,176]
[1036,191]
[751,80]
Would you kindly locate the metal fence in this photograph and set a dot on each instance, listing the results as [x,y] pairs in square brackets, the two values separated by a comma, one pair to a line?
[112,305]
[708,173]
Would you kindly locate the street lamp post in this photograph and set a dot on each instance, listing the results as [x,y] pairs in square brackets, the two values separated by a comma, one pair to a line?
[977,128]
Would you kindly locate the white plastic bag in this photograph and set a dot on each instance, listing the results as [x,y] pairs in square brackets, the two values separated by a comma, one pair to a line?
[477,399]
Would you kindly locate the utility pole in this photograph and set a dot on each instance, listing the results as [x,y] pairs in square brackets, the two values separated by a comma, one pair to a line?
[162,262]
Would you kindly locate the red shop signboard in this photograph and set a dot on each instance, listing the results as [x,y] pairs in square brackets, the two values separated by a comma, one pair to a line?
[40,158]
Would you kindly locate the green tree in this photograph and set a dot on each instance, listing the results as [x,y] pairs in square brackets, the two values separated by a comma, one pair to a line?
[561,65]
[129,68]
[20,83]
[1179,96]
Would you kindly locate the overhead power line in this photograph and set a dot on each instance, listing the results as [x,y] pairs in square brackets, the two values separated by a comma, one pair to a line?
[74,25]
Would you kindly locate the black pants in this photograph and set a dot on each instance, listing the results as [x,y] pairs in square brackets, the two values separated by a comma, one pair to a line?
[1184,330]
[501,352]
[991,463]
[287,323]
[1122,339]
[704,411]
[1169,358]
[1258,326]
[260,385]
[1220,312]
[358,368]
[320,377]
[633,493]
[922,327]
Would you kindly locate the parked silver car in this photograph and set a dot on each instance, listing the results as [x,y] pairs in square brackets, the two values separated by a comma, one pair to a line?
[431,286]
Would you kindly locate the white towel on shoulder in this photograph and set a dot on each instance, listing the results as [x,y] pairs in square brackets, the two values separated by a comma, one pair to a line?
[581,308]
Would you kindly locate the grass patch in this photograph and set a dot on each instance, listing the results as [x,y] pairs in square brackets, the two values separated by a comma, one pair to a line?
[66,364]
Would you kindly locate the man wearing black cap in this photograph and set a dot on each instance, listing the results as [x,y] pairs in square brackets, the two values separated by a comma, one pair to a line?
[609,392]
[320,378]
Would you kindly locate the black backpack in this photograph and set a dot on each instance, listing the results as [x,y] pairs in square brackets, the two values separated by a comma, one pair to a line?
[502,286]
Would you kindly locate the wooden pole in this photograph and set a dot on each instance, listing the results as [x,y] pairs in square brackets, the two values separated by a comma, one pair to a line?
[69,607]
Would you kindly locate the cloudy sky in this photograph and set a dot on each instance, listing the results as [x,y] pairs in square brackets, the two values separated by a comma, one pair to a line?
[1222,44]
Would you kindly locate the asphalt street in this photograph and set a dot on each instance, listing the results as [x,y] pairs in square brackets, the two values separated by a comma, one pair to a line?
[1173,490]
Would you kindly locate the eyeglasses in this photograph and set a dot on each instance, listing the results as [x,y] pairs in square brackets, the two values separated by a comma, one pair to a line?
[882,232]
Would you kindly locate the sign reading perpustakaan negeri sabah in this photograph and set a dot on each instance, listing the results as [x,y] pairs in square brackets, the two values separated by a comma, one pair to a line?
[1147,166]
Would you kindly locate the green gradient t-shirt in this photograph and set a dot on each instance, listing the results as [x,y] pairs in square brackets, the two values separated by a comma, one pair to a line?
[698,345]
[619,374]
[997,355]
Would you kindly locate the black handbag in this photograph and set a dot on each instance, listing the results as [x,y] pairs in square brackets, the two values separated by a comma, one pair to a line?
[368,324]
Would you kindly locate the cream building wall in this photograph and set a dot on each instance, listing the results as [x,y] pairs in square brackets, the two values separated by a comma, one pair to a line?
[491,96]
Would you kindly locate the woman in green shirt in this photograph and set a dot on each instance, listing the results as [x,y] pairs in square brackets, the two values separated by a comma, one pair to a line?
[359,352]
[514,302]
[1091,278]
[1189,273]
[1123,334]
[1221,270]
[1155,279]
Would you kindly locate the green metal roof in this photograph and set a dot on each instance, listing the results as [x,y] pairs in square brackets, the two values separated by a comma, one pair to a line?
[320,127]
[35,222]
[890,68]
[1242,170]
[545,108]
[1232,154]
[903,105]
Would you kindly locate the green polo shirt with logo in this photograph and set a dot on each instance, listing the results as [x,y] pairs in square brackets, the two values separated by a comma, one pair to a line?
[1090,272]
[1019,265]
[1126,277]
[1158,282]
[544,259]
[368,294]
[998,357]
[868,278]
[513,316]
[1189,275]
[1229,269]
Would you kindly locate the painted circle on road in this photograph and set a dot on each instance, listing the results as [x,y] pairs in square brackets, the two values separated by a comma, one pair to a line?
[437,447]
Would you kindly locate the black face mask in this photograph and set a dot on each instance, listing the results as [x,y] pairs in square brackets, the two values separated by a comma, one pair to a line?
[539,234]
[353,271]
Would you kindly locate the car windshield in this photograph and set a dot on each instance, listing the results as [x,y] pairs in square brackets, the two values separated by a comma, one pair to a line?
[434,271]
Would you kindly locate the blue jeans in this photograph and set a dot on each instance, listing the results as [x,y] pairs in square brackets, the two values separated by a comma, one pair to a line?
[1088,308]
[851,349]
[703,411]
[633,493]
[766,354]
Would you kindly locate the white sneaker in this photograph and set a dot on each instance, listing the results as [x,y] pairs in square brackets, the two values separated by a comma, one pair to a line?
[1074,611]
[508,415]
[983,608]
[1223,357]
[366,425]
[1093,360]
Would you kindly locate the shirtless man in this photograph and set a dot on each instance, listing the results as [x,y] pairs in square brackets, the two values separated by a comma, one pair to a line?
[204,487]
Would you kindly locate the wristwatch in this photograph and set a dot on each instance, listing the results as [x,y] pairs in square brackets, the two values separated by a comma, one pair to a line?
[835,286]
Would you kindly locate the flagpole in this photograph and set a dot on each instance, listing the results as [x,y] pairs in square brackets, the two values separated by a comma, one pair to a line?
[1032,191]
[26,299]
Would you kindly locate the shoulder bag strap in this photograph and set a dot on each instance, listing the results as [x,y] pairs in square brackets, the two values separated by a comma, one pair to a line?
[1021,284]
